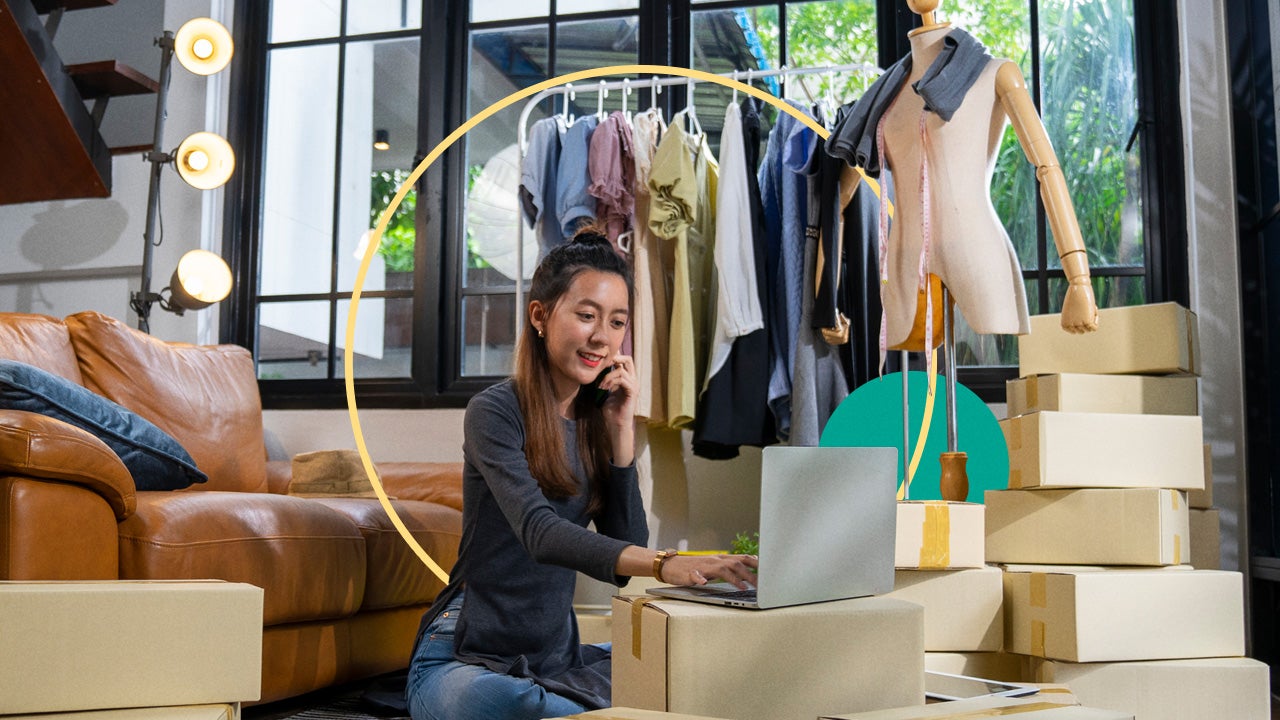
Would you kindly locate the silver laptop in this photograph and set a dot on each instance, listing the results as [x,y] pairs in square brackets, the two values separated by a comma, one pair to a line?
[827,526]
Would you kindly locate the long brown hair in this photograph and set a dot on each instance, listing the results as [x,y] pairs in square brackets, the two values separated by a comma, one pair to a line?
[544,441]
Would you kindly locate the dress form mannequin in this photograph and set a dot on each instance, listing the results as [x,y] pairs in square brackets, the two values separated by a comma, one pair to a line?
[967,247]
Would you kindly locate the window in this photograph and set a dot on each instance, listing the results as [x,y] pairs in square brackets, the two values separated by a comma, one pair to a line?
[321,82]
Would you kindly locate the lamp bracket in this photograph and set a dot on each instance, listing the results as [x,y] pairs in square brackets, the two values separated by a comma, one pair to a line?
[158,157]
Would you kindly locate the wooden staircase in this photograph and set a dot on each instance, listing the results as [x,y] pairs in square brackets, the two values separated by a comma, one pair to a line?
[49,141]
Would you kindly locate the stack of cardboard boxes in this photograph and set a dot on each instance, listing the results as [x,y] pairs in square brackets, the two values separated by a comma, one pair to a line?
[1105,443]
[941,565]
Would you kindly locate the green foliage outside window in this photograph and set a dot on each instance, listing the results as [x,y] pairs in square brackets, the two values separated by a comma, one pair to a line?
[396,248]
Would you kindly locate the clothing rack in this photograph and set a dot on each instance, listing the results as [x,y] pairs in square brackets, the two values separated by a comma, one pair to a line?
[628,86]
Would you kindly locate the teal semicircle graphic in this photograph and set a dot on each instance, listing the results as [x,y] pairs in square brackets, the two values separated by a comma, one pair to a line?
[872,417]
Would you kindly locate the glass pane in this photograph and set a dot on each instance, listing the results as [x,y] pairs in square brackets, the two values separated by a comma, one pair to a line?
[297,212]
[1090,109]
[1111,291]
[488,334]
[501,62]
[727,40]
[587,44]
[581,6]
[293,340]
[384,338]
[831,33]
[1004,26]
[368,16]
[486,10]
[380,104]
[304,19]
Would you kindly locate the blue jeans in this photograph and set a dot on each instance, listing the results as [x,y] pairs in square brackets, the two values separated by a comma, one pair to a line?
[442,688]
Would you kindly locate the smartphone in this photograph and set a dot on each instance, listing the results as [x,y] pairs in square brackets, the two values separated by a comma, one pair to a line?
[600,393]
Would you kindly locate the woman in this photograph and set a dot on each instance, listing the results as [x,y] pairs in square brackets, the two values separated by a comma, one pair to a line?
[543,457]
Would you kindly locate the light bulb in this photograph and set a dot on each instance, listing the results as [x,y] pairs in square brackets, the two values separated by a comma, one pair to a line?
[203,46]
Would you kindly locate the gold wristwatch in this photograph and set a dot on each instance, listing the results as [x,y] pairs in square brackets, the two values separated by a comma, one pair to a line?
[661,559]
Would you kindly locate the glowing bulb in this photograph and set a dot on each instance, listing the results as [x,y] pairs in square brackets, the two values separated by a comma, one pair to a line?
[202,48]
[197,160]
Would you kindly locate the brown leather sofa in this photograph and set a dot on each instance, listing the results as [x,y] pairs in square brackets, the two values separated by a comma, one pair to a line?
[343,592]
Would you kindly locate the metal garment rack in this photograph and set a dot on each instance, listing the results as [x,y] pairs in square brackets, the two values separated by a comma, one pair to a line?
[628,86]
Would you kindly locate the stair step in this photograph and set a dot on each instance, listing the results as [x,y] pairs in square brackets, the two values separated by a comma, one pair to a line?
[110,78]
[47,6]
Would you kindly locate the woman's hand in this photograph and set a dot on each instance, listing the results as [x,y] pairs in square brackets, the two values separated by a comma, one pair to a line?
[620,407]
[701,569]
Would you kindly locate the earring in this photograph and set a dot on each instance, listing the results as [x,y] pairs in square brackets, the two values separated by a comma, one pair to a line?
[540,333]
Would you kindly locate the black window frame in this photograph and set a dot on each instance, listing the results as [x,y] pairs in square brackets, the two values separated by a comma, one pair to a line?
[664,39]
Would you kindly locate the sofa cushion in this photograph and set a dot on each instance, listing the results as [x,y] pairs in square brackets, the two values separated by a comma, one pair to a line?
[39,340]
[437,482]
[39,446]
[396,576]
[309,560]
[155,460]
[205,396]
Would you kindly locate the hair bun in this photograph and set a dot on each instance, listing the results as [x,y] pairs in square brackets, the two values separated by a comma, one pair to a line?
[590,234]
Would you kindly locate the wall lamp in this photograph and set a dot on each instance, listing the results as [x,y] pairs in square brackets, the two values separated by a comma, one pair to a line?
[203,160]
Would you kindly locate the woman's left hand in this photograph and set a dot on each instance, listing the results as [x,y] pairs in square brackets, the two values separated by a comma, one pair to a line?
[620,407]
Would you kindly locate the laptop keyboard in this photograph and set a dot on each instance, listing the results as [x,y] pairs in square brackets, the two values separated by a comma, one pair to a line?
[738,595]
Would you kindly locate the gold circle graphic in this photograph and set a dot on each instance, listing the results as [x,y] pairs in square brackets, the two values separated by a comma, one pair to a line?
[436,152]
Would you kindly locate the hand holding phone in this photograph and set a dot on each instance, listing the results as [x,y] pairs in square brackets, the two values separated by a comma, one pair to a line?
[601,394]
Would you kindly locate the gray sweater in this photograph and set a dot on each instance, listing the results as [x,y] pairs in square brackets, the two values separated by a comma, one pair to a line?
[520,550]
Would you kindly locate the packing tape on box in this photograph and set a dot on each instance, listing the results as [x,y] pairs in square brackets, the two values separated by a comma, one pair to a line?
[1173,498]
[1177,549]
[637,609]
[1014,436]
[1015,479]
[935,536]
[1037,638]
[1039,590]
[1033,393]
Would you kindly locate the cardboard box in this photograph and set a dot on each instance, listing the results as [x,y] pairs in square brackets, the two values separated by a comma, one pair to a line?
[1129,526]
[178,712]
[1197,689]
[1206,539]
[961,607]
[1003,666]
[1068,450]
[1091,616]
[123,644]
[1129,394]
[777,664]
[594,626]
[625,713]
[1159,339]
[1204,498]
[1035,707]
[937,535]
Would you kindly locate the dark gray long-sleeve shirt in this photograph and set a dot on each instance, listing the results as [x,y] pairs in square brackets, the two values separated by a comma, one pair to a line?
[520,550]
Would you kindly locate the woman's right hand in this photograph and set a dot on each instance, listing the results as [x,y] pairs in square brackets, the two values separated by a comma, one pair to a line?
[701,569]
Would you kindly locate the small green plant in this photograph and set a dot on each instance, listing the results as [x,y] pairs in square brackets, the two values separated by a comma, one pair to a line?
[744,545]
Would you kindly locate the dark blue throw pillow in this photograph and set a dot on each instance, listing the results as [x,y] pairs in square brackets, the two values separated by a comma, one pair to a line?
[154,458]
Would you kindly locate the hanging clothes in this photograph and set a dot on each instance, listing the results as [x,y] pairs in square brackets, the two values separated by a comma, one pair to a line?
[672,210]
[538,183]
[702,238]
[611,164]
[574,205]
[650,309]
[784,191]
[733,409]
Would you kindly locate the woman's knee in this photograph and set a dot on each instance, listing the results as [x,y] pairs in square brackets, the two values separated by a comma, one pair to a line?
[469,692]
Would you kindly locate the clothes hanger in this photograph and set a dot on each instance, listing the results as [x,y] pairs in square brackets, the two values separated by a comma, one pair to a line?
[568,97]
[654,91]
[691,111]
[600,96]
[626,92]
[735,89]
